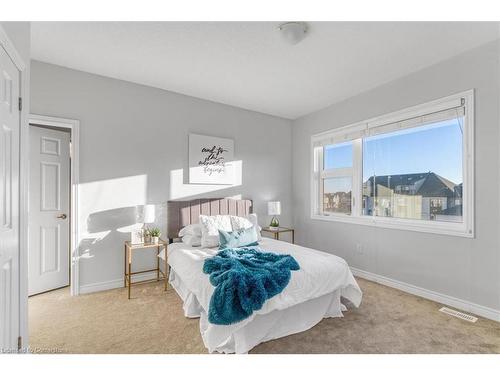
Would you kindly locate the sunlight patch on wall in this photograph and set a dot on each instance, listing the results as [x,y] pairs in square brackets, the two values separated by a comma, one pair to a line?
[93,238]
[179,189]
[114,193]
[105,207]
[130,228]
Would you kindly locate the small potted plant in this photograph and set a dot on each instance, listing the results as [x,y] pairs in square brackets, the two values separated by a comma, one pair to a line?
[155,234]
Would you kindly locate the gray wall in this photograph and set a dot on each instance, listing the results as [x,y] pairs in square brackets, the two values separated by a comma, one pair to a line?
[133,148]
[468,269]
[133,136]
[20,35]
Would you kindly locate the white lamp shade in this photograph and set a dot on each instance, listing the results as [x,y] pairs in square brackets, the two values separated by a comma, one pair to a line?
[274,208]
[149,213]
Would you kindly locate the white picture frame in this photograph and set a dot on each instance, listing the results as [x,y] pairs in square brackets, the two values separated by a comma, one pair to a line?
[136,236]
[211,160]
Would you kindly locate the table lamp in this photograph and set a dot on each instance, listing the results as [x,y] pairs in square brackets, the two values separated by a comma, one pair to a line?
[148,218]
[274,209]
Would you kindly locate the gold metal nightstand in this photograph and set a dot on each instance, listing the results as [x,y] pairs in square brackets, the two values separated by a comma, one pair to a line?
[128,263]
[277,230]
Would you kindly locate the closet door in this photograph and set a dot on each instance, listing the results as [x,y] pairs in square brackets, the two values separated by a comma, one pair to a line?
[9,202]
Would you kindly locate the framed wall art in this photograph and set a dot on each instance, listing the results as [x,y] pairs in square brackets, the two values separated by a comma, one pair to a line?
[210,160]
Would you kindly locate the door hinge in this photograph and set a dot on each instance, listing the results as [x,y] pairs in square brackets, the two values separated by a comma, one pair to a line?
[20,104]
[19,343]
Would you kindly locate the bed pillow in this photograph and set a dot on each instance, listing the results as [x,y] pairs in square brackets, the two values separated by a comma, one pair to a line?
[237,238]
[191,229]
[249,221]
[210,226]
[191,240]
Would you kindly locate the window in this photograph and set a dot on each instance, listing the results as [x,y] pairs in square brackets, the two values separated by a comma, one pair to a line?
[336,178]
[411,169]
[337,194]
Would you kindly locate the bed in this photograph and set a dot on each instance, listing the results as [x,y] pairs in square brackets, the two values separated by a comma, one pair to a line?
[313,293]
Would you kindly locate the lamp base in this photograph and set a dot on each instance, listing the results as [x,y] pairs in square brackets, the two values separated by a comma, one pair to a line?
[274,222]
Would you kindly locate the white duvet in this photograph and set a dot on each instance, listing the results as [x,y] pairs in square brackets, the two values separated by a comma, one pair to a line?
[320,274]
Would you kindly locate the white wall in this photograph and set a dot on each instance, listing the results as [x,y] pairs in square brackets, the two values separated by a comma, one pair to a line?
[467,269]
[133,150]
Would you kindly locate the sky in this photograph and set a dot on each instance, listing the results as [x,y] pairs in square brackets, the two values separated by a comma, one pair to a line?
[436,148]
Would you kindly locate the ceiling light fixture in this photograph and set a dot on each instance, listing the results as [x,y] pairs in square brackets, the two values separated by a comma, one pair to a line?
[293,32]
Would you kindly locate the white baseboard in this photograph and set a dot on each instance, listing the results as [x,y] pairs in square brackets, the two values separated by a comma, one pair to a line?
[112,284]
[457,303]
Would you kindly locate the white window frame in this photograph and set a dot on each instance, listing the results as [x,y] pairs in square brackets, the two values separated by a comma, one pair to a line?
[357,131]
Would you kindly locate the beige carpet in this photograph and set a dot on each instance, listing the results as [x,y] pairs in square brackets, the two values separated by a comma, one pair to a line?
[388,321]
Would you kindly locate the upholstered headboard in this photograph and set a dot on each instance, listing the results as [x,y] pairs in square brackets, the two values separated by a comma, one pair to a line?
[182,213]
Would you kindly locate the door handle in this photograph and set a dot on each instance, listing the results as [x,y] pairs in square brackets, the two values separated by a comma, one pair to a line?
[62,216]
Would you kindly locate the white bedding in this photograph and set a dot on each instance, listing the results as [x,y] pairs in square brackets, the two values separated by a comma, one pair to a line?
[317,287]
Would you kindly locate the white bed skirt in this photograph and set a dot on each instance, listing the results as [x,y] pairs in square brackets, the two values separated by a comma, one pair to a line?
[260,328]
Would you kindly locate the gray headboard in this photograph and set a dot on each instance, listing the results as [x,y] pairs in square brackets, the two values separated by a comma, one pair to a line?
[182,213]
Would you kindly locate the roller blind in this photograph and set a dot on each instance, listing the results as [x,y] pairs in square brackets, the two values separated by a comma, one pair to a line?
[339,136]
[444,115]
[446,110]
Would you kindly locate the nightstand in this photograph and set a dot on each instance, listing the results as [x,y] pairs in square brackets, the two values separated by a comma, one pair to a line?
[277,230]
[129,248]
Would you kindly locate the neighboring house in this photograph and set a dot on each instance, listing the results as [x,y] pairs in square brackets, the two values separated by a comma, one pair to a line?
[339,202]
[450,214]
[426,196]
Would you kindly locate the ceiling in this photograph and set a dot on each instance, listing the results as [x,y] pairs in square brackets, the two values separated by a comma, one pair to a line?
[248,65]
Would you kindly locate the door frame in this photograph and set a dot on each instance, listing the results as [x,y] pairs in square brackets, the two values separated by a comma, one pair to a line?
[74,127]
[24,83]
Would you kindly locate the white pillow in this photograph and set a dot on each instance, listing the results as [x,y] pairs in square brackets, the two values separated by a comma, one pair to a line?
[191,240]
[249,221]
[210,226]
[191,230]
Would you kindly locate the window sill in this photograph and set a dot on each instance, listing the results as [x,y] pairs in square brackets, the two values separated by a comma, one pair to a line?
[434,227]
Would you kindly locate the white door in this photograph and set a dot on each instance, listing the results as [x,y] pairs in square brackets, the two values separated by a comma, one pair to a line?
[48,256]
[9,202]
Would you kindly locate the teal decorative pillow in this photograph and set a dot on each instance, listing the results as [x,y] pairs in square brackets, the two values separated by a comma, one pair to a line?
[238,238]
